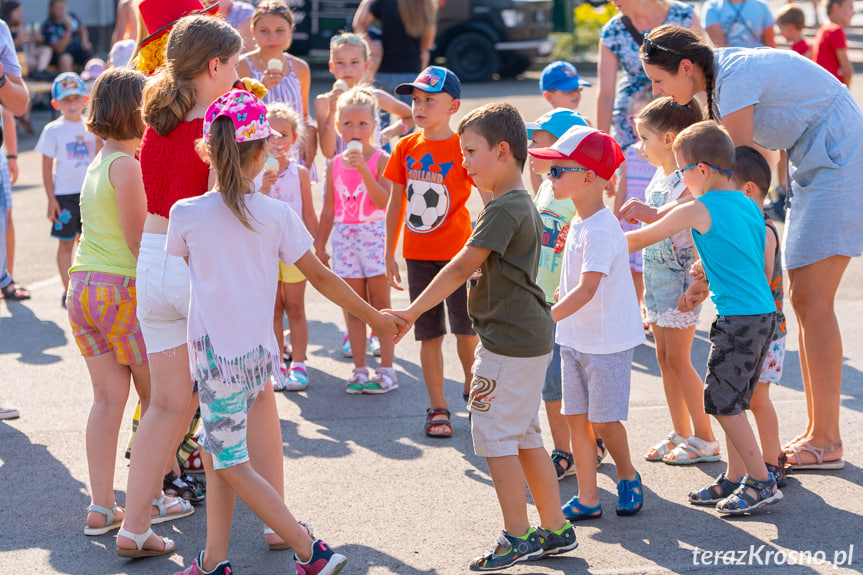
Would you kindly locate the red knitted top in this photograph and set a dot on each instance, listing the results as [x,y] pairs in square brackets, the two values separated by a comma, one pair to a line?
[171,167]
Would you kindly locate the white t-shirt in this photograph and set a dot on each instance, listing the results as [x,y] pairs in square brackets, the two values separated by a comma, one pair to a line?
[233,270]
[73,148]
[611,321]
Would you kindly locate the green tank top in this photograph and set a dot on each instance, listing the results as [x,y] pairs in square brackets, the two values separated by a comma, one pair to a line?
[103,247]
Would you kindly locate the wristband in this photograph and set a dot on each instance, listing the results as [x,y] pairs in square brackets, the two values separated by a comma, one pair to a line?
[11,156]
[405,128]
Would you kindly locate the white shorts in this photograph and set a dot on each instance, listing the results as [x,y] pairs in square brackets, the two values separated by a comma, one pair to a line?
[163,292]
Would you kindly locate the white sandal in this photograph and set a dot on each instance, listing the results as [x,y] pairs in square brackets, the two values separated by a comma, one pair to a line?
[282,545]
[110,524]
[186,509]
[357,382]
[140,539]
[662,449]
[384,381]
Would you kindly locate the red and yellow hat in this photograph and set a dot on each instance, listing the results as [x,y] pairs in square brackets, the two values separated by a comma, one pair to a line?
[160,16]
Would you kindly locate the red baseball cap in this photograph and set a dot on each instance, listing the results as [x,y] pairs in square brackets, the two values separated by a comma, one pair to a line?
[592,148]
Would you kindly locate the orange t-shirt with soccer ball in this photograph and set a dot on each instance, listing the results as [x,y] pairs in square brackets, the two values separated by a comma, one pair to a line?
[437,187]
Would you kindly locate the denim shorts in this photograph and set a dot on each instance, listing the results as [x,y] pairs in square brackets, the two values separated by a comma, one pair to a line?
[552,390]
[163,295]
[666,277]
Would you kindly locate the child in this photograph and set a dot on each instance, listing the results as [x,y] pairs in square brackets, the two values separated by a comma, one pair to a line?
[791,22]
[728,230]
[67,149]
[599,323]
[561,87]
[830,49]
[102,287]
[349,62]
[289,182]
[555,215]
[739,23]
[287,78]
[233,232]
[425,168]
[67,36]
[511,317]
[666,277]
[752,176]
[356,200]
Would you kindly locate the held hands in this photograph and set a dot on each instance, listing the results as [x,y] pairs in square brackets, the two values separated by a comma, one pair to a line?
[393,276]
[634,211]
[405,322]
[694,295]
[387,324]
[322,254]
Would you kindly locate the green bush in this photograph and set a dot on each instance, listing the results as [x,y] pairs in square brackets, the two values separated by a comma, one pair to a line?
[585,39]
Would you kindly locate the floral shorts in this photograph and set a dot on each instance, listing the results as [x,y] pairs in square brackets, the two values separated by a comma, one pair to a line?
[358,250]
[771,369]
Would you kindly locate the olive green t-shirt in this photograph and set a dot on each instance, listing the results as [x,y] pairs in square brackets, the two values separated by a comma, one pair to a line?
[508,309]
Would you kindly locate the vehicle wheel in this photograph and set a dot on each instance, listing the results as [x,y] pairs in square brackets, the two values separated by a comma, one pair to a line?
[472,57]
[511,65]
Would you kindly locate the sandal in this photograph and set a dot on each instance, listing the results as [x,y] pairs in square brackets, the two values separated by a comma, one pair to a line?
[15,292]
[721,488]
[602,451]
[558,456]
[630,496]
[178,487]
[575,510]
[780,471]
[740,502]
[298,379]
[443,420]
[664,447]
[384,381]
[140,539]
[358,381]
[693,450]
[797,450]
[186,509]
[283,545]
[110,524]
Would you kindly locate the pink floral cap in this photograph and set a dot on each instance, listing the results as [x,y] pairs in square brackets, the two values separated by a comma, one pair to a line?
[245,110]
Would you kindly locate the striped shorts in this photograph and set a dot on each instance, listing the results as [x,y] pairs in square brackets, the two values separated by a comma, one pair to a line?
[102,315]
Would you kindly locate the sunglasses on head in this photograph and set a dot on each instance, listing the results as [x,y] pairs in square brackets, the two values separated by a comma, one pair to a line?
[349,38]
[555,172]
[650,48]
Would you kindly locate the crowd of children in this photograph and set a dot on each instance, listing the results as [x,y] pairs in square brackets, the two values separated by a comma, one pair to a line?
[545,292]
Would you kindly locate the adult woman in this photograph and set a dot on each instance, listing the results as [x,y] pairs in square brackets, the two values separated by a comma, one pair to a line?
[408,30]
[618,50]
[778,100]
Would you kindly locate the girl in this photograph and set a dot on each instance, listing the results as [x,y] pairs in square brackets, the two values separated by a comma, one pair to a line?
[666,277]
[356,201]
[349,62]
[789,103]
[289,182]
[102,300]
[228,232]
[286,77]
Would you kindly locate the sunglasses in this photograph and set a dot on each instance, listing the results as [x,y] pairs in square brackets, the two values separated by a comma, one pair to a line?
[555,172]
[349,38]
[681,170]
[650,48]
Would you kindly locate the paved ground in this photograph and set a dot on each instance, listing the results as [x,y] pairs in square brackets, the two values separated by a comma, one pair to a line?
[361,470]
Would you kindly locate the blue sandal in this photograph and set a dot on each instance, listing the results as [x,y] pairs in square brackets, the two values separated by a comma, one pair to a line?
[574,510]
[721,488]
[740,502]
[630,498]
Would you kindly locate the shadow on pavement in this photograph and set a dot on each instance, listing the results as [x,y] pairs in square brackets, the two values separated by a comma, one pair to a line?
[33,337]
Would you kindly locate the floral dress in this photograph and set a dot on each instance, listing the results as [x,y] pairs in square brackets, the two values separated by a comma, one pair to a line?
[616,38]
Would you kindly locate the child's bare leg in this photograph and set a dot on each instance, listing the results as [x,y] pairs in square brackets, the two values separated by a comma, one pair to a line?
[614,436]
[736,467]
[379,298]
[542,480]
[673,394]
[295,306]
[508,478]
[466,346]
[264,438]
[356,327]
[738,434]
[584,454]
[557,422]
[110,391]
[279,319]
[221,499]
[431,361]
[638,280]
[65,251]
[678,346]
[767,422]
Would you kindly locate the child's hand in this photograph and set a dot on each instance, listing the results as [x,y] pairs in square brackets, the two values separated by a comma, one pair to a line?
[557,293]
[691,299]
[271,78]
[54,210]
[268,180]
[697,271]
[634,211]
[405,322]
[393,276]
[354,159]
[323,256]
[387,325]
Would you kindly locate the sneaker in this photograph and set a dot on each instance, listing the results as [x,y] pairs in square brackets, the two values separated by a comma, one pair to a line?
[322,562]
[8,411]
[630,498]
[346,347]
[557,542]
[516,549]
[223,568]
[374,345]
[298,379]
[279,379]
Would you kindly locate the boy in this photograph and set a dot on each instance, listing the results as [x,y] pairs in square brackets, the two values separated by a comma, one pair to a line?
[752,176]
[430,192]
[791,21]
[739,23]
[830,49]
[67,149]
[728,231]
[511,317]
[599,322]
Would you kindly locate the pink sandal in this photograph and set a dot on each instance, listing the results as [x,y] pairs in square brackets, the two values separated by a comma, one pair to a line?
[796,450]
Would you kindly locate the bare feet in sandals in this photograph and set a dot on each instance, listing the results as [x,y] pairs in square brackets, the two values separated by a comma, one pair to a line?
[804,455]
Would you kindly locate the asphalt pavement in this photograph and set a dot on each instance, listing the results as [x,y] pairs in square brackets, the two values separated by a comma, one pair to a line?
[360,469]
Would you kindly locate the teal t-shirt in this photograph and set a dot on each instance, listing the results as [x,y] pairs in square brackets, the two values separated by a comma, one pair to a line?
[555,215]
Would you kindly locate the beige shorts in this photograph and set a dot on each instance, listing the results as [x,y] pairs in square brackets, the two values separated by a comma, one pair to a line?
[505,394]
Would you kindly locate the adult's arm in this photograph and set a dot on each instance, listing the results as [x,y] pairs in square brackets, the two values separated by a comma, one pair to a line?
[363,18]
[717,36]
[607,69]
[426,42]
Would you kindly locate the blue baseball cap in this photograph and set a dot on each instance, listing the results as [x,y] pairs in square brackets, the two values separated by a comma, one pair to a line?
[433,79]
[68,84]
[556,122]
[562,76]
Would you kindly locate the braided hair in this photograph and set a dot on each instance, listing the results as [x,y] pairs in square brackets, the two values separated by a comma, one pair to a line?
[669,45]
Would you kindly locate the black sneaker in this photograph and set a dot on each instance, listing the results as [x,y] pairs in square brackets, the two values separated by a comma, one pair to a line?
[557,542]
